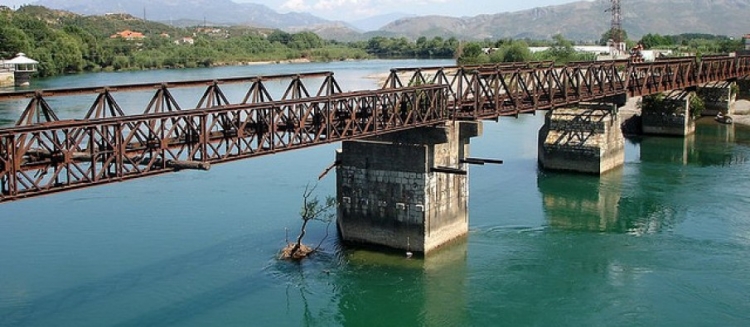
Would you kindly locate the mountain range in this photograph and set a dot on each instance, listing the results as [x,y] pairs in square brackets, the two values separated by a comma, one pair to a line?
[582,20]
[587,20]
[222,12]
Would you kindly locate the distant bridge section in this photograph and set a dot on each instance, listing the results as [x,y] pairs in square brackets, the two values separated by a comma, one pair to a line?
[43,154]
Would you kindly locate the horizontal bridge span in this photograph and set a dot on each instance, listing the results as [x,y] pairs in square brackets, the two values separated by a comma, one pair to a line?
[43,154]
[52,157]
[153,86]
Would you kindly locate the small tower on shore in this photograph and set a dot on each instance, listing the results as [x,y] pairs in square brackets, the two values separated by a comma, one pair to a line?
[22,68]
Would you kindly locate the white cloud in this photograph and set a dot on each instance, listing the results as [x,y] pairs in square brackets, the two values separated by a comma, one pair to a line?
[295,5]
[333,4]
[363,8]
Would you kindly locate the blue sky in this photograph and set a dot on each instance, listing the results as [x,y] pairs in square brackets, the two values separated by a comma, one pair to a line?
[348,10]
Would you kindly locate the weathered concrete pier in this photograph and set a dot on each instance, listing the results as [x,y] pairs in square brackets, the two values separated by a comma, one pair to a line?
[406,190]
[587,139]
[669,114]
[6,77]
[718,97]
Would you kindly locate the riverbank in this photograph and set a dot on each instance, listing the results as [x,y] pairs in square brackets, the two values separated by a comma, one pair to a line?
[264,62]
[742,112]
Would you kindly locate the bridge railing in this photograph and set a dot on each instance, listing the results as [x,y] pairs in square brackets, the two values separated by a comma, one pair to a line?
[682,73]
[105,104]
[509,89]
[499,90]
[44,154]
[56,156]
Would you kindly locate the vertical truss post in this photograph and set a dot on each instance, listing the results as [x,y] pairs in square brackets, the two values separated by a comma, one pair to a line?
[104,106]
[257,93]
[213,97]
[329,87]
[38,111]
[162,101]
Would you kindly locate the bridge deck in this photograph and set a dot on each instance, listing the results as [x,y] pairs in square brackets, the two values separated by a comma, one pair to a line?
[43,154]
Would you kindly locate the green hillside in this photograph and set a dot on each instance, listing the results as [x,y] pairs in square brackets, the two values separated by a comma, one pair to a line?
[64,42]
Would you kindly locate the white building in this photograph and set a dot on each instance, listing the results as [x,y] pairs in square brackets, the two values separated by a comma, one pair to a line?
[21,68]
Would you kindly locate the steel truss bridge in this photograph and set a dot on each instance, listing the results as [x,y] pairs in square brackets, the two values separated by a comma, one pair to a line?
[43,154]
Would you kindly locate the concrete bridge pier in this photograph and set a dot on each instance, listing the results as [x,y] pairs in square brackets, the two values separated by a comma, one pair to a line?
[743,88]
[406,190]
[6,77]
[668,114]
[587,139]
[718,97]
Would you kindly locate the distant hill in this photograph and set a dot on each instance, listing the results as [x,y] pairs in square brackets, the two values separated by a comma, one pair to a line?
[580,21]
[214,11]
[332,31]
[587,20]
[377,22]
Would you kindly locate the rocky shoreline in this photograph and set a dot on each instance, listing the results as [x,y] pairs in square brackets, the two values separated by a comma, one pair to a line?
[742,112]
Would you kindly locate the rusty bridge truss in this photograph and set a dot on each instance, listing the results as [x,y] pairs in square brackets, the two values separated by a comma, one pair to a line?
[43,154]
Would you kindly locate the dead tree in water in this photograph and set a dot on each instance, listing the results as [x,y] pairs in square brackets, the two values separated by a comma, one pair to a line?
[312,209]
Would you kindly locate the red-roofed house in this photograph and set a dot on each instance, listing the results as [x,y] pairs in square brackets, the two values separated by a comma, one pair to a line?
[129,35]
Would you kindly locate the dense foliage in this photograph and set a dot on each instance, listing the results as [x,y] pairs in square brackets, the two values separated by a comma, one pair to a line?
[696,43]
[562,51]
[68,43]
[64,42]
[658,104]
[558,50]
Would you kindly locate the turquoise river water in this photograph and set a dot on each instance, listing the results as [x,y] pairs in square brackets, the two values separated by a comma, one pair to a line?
[663,241]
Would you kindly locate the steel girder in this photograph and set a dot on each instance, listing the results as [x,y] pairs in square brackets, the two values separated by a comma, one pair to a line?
[50,157]
[43,154]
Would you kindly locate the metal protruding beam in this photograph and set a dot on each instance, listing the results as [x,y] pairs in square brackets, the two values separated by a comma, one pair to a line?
[481,161]
[190,165]
[448,170]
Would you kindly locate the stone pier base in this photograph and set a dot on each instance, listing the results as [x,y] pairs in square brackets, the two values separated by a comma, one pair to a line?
[406,190]
[22,78]
[587,139]
[674,119]
[6,78]
[718,97]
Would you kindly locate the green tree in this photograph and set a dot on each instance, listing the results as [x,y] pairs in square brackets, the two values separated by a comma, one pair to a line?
[472,54]
[305,40]
[650,41]
[13,40]
[67,55]
[562,50]
[312,209]
[517,51]
[280,37]
[613,34]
